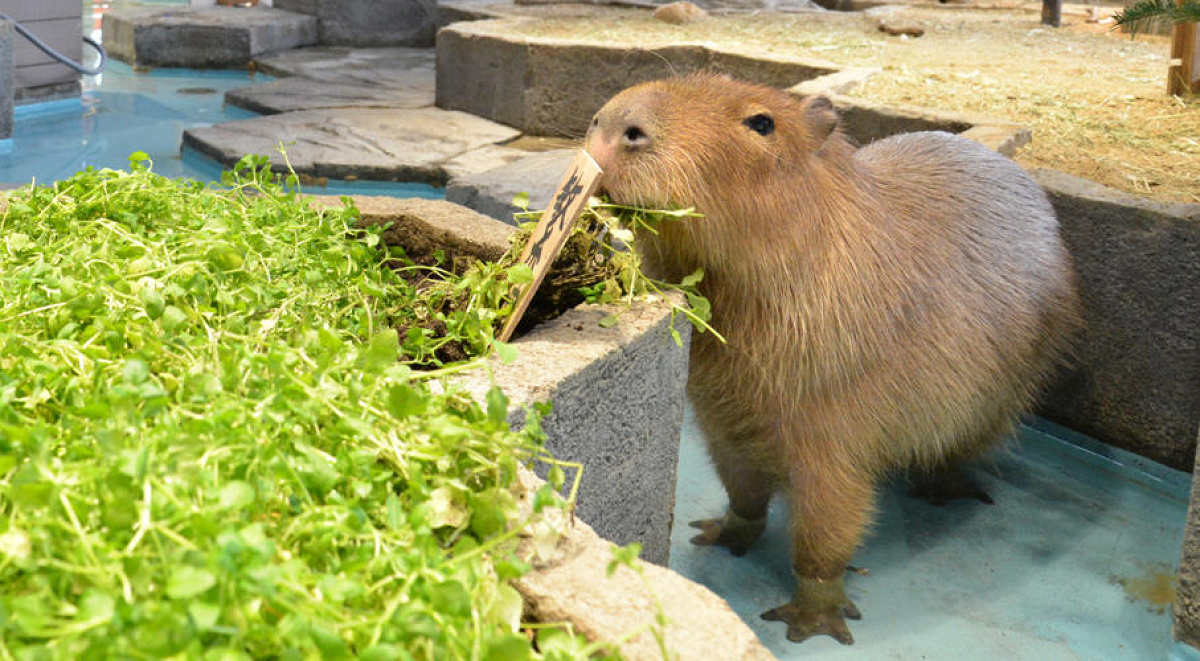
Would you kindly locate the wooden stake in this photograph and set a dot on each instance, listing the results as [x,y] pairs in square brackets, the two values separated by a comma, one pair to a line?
[1052,13]
[552,230]
[1185,46]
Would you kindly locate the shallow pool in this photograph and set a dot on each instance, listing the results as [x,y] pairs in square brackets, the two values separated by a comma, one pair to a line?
[121,112]
[1075,560]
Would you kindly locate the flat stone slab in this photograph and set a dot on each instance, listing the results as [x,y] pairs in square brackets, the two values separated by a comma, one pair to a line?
[292,94]
[340,77]
[203,36]
[575,585]
[491,192]
[393,68]
[405,144]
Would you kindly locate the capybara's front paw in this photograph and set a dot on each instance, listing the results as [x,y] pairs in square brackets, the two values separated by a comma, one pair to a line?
[731,531]
[818,607]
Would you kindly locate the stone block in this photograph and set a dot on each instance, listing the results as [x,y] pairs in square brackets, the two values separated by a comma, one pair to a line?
[1137,380]
[371,22]
[618,392]
[203,36]
[6,79]
[618,396]
[422,225]
[291,94]
[382,144]
[1187,585]
[390,68]
[491,192]
[553,87]
[574,586]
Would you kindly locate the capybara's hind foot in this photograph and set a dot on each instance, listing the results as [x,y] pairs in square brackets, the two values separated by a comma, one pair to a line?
[942,486]
[818,607]
[731,531]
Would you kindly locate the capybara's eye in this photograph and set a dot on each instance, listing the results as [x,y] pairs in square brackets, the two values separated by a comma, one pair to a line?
[762,123]
[634,134]
[595,122]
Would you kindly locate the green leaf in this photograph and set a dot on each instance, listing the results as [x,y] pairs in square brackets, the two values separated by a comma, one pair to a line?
[173,317]
[692,279]
[396,517]
[446,508]
[188,581]
[609,321]
[136,371]
[154,302]
[330,645]
[236,495]
[520,274]
[204,615]
[497,405]
[556,477]
[96,607]
[383,350]
[404,400]
[509,647]
[506,352]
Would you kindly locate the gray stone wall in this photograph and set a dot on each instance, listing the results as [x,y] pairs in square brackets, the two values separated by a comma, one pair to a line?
[36,76]
[370,22]
[1136,383]
[1187,586]
[6,79]
[552,88]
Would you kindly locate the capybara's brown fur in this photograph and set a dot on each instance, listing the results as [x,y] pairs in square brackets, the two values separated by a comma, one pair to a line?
[888,307]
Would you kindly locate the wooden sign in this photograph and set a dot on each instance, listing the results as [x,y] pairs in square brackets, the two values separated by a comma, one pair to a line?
[553,229]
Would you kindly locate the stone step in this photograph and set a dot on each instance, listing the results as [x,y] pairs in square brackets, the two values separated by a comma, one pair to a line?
[491,192]
[381,144]
[200,37]
[338,77]
[291,94]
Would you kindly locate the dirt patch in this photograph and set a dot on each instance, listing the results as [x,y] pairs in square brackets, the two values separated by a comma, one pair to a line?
[1095,99]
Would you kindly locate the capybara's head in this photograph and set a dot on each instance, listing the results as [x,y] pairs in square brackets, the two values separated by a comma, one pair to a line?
[704,141]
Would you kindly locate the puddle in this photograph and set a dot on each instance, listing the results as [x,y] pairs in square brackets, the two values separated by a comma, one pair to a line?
[1155,587]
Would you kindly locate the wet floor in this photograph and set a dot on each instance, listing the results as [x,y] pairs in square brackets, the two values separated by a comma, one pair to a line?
[1075,560]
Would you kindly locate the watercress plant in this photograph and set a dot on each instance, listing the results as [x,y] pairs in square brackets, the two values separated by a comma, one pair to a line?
[209,448]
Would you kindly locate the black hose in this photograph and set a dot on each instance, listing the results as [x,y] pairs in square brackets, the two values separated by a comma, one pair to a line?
[42,46]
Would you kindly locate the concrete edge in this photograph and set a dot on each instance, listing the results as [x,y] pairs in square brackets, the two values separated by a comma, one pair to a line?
[864,120]
[494,28]
[573,586]
[1086,189]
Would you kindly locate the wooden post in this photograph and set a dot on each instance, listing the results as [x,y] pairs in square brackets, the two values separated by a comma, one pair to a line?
[1052,13]
[1185,46]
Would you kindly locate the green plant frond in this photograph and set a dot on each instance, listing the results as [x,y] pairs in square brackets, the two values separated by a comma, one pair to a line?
[1135,16]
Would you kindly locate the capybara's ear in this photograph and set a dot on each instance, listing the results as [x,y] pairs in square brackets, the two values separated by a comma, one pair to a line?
[820,118]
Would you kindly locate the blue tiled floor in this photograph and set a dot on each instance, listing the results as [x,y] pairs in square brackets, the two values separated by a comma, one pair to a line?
[1073,561]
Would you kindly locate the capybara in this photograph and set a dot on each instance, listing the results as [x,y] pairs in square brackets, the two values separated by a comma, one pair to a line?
[891,307]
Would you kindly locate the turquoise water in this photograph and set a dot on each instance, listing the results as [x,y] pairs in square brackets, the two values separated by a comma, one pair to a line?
[1067,564]
[121,112]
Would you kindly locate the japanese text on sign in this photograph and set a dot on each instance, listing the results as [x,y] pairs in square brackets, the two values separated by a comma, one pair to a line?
[552,230]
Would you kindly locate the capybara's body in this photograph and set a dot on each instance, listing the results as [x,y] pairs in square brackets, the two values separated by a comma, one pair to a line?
[889,307]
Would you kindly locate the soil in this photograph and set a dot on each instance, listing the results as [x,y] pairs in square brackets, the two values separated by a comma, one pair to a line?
[580,264]
[1095,98]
